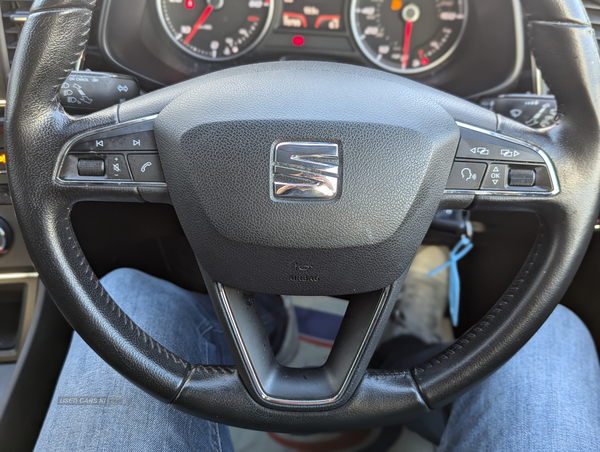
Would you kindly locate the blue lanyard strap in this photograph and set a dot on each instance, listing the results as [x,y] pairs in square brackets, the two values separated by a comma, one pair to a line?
[461,249]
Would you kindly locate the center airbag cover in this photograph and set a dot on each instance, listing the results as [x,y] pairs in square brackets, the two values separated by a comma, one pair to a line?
[216,144]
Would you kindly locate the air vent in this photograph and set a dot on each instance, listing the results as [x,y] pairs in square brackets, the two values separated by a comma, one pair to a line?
[14,15]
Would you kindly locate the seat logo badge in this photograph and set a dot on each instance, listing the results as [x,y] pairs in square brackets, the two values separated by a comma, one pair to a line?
[304,171]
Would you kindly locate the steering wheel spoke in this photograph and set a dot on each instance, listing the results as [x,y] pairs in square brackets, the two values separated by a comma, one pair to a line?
[328,386]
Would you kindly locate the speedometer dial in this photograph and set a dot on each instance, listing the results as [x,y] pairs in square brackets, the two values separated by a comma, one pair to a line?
[216,30]
[408,36]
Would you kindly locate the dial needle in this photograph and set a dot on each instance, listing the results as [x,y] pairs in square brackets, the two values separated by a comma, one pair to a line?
[407,34]
[203,17]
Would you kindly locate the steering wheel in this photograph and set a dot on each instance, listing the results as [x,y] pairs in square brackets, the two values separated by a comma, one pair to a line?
[307,178]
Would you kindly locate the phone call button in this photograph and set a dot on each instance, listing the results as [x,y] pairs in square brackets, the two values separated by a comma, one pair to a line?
[146,168]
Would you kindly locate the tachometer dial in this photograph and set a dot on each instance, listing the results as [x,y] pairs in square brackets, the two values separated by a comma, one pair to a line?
[408,36]
[216,29]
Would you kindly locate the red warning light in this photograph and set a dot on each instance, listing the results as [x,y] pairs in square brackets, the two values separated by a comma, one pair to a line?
[253,19]
[298,41]
[425,61]
[189,4]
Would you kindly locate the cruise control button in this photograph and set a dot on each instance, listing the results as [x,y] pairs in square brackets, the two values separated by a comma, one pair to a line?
[495,179]
[466,175]
[146,168]
[475,145]
[116,167]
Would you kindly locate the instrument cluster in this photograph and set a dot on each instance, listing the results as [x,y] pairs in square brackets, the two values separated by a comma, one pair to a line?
[403,36]
[465,47]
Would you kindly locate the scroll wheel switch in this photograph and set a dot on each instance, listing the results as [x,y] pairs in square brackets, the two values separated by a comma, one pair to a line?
[521,177]
[90,167]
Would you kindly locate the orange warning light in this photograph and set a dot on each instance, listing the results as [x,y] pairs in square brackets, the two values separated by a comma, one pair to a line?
[2,159]
[396,5]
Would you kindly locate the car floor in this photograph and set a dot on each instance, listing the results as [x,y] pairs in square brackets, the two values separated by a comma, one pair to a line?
[318,321]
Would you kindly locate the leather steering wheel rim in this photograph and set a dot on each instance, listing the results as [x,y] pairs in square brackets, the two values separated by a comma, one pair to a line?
[37,129]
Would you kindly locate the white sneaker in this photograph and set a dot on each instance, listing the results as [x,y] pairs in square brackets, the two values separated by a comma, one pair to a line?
[421,307]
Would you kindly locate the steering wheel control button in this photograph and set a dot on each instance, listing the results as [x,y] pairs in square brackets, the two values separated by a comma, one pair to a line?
[496,177]
[146,168]
[140,141]
[466,175]
[110,155]
[91,167]
[480,146]
[521,177]
[117,167]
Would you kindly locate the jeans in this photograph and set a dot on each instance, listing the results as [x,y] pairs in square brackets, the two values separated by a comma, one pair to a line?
[546,398]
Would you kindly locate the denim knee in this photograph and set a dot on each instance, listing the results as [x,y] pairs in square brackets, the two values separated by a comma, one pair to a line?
[134,290]
[564,325]
[124,286]
[171,315]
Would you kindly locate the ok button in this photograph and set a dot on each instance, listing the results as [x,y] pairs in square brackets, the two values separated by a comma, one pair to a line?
[496,177]
[466,176]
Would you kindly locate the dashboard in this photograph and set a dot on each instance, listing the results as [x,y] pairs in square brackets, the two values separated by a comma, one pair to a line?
[469,48]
